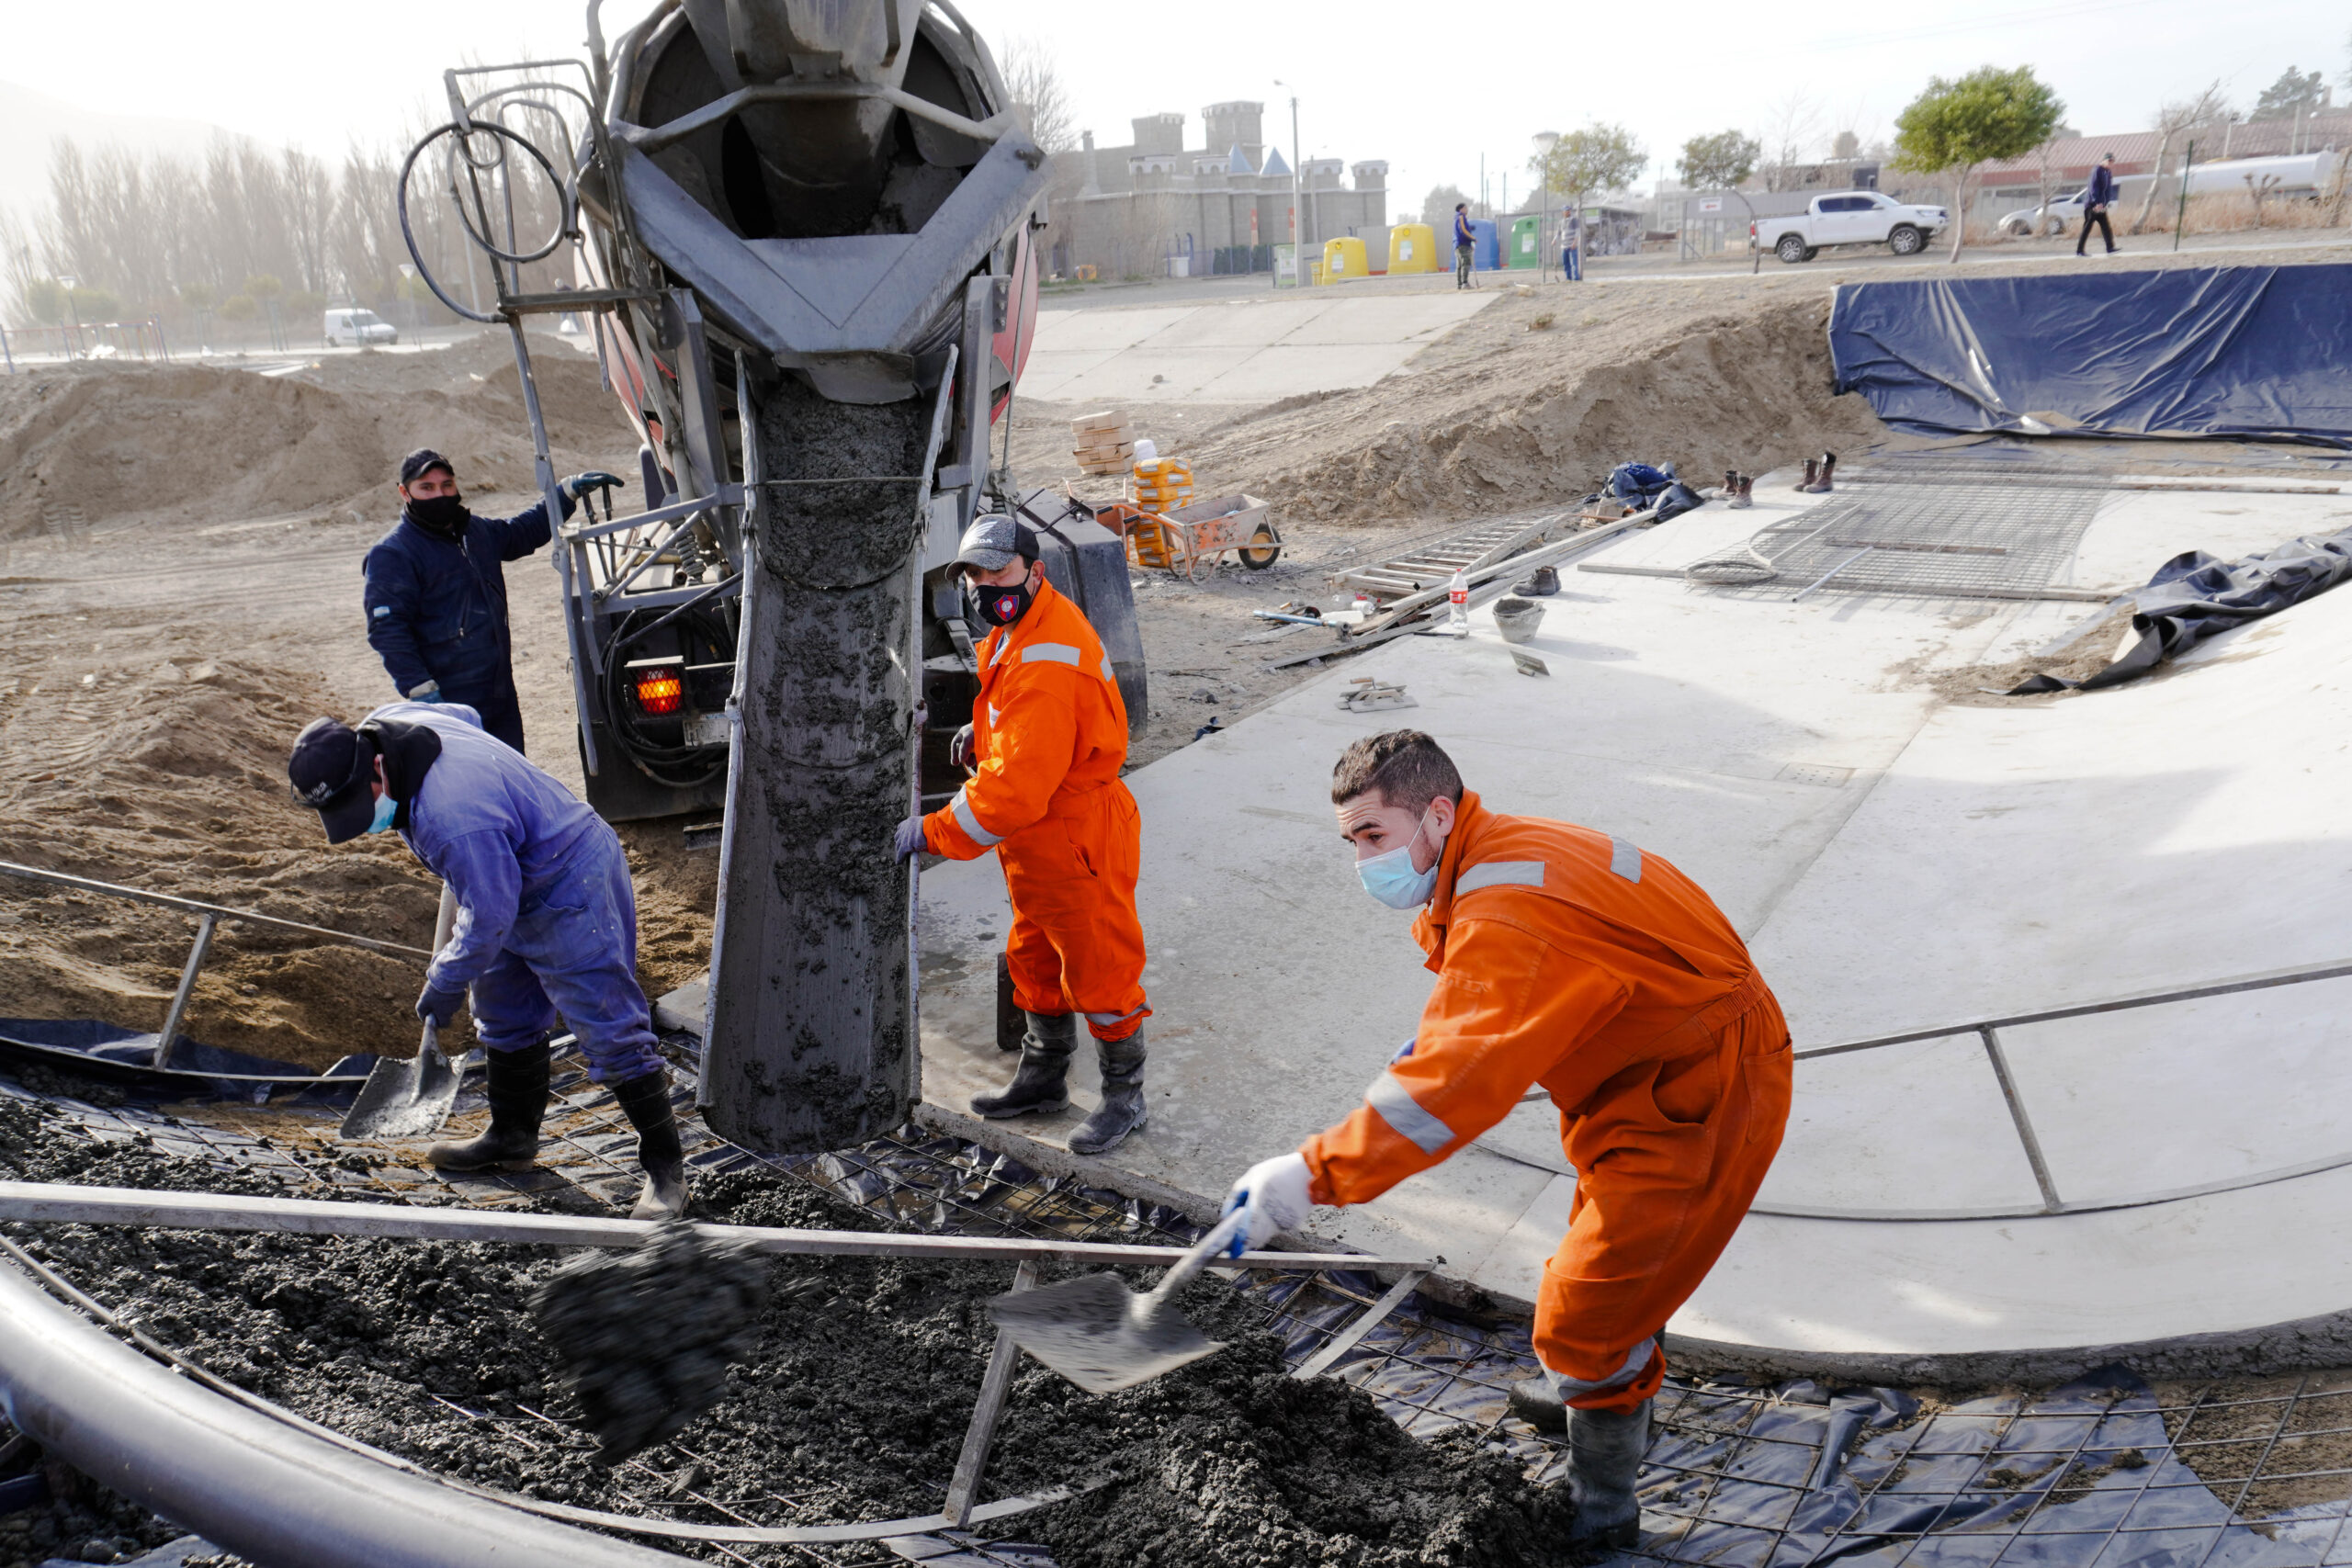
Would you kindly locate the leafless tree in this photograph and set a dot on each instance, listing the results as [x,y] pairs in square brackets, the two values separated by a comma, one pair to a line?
[1792,128]
[1036,83]
[2174,121]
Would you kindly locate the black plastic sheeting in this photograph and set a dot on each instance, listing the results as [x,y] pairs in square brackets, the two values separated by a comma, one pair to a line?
[125,1059]
[2243,351]
[2194,596]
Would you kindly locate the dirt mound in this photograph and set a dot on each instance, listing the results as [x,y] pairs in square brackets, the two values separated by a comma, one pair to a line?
[1519,420]
[85,445]
[171,777]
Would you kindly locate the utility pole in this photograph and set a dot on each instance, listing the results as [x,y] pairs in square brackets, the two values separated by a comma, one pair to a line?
[1297,209]
[1544,141]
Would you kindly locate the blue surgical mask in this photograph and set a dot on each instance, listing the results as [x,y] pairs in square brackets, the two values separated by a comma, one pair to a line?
[1391,879]
[386,809]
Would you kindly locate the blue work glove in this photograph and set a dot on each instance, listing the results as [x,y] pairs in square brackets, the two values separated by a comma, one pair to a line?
[909,842]
[960,750]
[579,485]
[1271,1198]
[437,1007]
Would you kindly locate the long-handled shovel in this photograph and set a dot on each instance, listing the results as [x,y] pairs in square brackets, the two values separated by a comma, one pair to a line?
[410,1099]
[1104,1336]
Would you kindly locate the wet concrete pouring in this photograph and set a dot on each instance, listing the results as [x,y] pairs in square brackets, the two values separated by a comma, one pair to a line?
[851,1400]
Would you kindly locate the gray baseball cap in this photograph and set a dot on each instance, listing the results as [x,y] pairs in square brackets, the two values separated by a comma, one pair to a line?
[993,542]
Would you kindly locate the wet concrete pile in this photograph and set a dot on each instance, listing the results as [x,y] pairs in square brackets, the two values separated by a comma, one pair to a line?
[854,1397]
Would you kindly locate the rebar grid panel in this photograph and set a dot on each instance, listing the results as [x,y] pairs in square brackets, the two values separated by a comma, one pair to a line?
[1923,535]
[2100,1474]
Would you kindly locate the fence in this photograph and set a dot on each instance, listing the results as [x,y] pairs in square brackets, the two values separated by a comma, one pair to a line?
[84,340]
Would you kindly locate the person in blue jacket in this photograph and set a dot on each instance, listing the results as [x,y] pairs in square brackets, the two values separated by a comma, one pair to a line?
[546,928]
[2098,196]
[1465,248]
[437,591]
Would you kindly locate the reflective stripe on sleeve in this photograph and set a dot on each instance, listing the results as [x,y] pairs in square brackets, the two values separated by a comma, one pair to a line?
[1624,859]
[1107,670]
[1499,873]
[1050,653]
[1402,1111]
[970,823]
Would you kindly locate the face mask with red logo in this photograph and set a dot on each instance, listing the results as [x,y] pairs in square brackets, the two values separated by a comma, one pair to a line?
[998,607]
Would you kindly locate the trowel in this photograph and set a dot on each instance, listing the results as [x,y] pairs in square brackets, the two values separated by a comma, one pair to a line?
[410,1099]
[1102,1335]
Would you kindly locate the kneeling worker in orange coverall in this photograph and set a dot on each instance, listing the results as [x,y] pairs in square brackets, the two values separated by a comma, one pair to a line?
[1572,960]
[1048,738]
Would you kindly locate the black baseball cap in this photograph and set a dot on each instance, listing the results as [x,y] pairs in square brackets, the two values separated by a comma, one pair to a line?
[330,769]
[421,459]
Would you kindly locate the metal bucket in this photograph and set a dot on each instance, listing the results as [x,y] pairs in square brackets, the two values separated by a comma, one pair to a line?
[1517,618]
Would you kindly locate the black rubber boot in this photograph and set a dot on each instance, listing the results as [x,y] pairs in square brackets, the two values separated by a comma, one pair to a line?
[645,1099]
[1534,1401]
[517,1088]
[1604,1461]
[1041,1081]
[1122,1111]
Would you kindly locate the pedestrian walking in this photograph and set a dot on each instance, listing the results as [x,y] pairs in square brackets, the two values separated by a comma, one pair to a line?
[2098,196]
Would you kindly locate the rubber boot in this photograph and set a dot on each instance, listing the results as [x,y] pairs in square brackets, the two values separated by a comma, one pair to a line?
[1040,1082]
[645,1099]
[1605,1452]
[1822,484]
[1811,468]
[1537,1403]
[1122,1111]
[517,1088]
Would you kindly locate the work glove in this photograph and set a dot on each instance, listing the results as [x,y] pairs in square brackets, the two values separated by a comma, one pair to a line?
[579,485]
[909,842]
[1271,1198]
[428,693]
[960,750]
[437,1007]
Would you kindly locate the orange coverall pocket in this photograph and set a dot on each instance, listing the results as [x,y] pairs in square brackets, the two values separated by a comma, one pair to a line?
[1077,847]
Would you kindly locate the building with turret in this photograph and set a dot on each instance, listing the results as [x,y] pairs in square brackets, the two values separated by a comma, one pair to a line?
[1154,208]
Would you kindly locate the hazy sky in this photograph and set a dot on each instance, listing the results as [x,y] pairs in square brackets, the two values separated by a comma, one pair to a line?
[1375,80]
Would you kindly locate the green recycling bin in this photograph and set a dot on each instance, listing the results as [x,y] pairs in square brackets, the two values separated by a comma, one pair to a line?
[1526,242]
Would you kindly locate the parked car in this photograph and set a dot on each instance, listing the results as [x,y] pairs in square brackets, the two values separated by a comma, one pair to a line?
[1849,218]
[360,326]
[2058,218]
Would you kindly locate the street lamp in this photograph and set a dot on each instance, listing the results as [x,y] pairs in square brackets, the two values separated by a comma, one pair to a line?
[1297,204]
[73,313]
[1544,141]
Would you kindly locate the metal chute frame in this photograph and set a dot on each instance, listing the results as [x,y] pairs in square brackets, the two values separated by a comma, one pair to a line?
[605,566]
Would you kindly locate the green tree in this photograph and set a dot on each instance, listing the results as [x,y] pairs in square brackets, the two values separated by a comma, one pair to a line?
[45,301]
[2296,92]
[1721,162]
[1437,208]
[1988,116]
[200,296]
[1598,158]
[264,285]
[239,308]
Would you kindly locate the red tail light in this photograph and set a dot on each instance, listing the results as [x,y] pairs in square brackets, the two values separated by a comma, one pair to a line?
[661,691]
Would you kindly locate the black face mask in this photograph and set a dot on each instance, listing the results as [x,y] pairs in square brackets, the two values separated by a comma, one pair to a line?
[443,515]
[998,607]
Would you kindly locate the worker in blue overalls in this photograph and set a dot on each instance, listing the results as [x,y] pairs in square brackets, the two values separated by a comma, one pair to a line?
[437,591]
[546,931]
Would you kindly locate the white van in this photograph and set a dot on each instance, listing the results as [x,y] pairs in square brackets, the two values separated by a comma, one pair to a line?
[358,325]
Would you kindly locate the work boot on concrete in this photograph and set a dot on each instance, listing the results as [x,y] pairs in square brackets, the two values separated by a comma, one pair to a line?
[645,1099]
[1822,484]
[1534,1401]
[1605,1452]
[1812,467]
[517,1088]
[1122,1110]
[1040,1082]
[1735,495]
[1747,489]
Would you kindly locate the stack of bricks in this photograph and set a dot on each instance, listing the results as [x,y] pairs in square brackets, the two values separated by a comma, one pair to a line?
[1103,443]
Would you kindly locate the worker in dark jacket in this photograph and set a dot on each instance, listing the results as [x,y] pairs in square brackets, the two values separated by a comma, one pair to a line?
[546,931]
[2098,196]
[437,592]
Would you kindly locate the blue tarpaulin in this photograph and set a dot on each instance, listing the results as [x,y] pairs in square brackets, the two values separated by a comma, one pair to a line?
[2260,352]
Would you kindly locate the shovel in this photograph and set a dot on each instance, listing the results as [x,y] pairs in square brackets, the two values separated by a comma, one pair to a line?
[1104,1336]
[410,1099]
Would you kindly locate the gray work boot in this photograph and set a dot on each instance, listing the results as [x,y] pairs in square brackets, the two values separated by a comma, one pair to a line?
[1604,1461]
[1122,1111]
[645,1099]
[517,1088]
[1040,1082]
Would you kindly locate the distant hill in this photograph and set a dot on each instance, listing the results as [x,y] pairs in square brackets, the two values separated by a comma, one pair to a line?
[30,118]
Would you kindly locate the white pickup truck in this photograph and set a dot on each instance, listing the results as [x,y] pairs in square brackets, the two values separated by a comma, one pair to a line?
[1849,217]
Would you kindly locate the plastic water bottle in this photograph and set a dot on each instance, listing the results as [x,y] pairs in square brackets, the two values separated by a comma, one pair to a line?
[1457,594]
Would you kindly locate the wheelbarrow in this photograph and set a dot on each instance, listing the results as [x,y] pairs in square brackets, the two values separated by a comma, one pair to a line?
[1193,539]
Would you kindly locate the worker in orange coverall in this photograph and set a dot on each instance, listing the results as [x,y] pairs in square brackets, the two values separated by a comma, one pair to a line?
[1573,960]
[1048,738]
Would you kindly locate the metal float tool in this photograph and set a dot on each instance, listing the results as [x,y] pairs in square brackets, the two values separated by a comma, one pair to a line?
[410,1099]
[1104,1336]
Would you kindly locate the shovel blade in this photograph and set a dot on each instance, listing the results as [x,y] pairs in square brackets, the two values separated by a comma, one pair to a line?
[1099,1333]
[404,1099]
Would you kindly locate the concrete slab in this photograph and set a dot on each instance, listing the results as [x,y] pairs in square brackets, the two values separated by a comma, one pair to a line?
[1899,863]
[1225,351]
